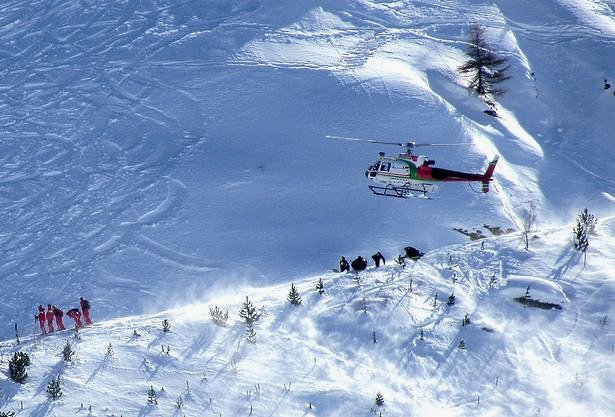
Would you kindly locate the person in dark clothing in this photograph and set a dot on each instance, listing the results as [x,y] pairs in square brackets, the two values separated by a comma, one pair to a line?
[344,266]
[377,257]
[359,264]
[75,314]
[412,253]
[85,308]
[58,313]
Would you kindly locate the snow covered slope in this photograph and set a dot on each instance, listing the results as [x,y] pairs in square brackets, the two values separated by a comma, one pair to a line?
[388,330]
[158,154]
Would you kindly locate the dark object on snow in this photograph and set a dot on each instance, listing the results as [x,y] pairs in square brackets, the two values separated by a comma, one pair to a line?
[377,257]
[412,253]
[530,302]
[606,85]
[491,112]
[359,264]
[344,266]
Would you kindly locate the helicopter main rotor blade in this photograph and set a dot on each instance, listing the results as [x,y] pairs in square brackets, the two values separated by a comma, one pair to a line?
[408,144]
[405,145]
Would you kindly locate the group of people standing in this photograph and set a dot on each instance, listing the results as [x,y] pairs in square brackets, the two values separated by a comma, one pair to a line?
[46,317]
[360,264]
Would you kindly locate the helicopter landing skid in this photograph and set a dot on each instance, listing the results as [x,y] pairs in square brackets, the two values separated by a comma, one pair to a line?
[406,191]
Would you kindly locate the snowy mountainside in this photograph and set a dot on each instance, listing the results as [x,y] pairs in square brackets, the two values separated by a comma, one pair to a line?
[388,330]
[182,146]
[158,157]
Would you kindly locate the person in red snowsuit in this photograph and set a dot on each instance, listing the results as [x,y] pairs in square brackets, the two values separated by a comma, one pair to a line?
[58,315]
[75,314]
[49,316]
[41,319]
[85,308]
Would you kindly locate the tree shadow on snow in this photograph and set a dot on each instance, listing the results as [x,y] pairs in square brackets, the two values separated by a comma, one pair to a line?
[568,259]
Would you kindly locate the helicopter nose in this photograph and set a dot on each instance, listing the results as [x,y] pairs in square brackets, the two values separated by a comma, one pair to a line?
[366,174]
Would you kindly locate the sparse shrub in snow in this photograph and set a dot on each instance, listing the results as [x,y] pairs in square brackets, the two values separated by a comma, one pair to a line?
[218,316]
[589,221]
[179,403]
[54,390]
[528,218]
[466,320]
[17,367]
[110,352]
[320,287]
[451,300]
[151,395]
[68,352]
[379,400]
[166,326]
[7,414]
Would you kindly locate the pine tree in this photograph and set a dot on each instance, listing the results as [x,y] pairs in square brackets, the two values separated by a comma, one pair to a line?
[485,68]
[320,287]
[110,352]
[293,295]
[248,312]
[54,390]
[151,395]
[68,352]
[379,400]
[581,242]
[17,367]
[250,333]
[166,327]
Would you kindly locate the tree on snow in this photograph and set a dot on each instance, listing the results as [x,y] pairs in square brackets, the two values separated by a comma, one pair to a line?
[486,69]
[293,295]
[17,367]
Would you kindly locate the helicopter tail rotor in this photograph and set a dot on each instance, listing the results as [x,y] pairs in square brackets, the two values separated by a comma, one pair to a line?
[489,173]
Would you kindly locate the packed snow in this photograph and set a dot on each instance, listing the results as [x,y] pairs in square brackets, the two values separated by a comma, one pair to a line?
[162,158]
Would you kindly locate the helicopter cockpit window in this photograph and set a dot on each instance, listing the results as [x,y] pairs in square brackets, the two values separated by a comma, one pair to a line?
[375,166]
[385,167]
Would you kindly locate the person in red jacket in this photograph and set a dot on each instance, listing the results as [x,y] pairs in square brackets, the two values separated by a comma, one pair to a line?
[75,314]
[58,315]
[85,308]
[41,319]
[49,316]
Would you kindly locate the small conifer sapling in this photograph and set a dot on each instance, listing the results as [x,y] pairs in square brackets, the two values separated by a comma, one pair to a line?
[293,295]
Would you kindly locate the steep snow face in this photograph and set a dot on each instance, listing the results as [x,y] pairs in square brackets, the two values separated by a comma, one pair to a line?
[154,153]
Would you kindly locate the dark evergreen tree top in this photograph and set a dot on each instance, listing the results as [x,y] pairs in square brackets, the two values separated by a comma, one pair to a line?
[485,67]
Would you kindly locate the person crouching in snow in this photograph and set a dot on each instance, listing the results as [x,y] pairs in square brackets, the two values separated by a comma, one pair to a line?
[85,308]
[58,315]
[49,316]
[41,319]
[75,314]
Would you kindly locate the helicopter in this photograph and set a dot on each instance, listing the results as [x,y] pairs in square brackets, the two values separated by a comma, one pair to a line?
[410,175]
